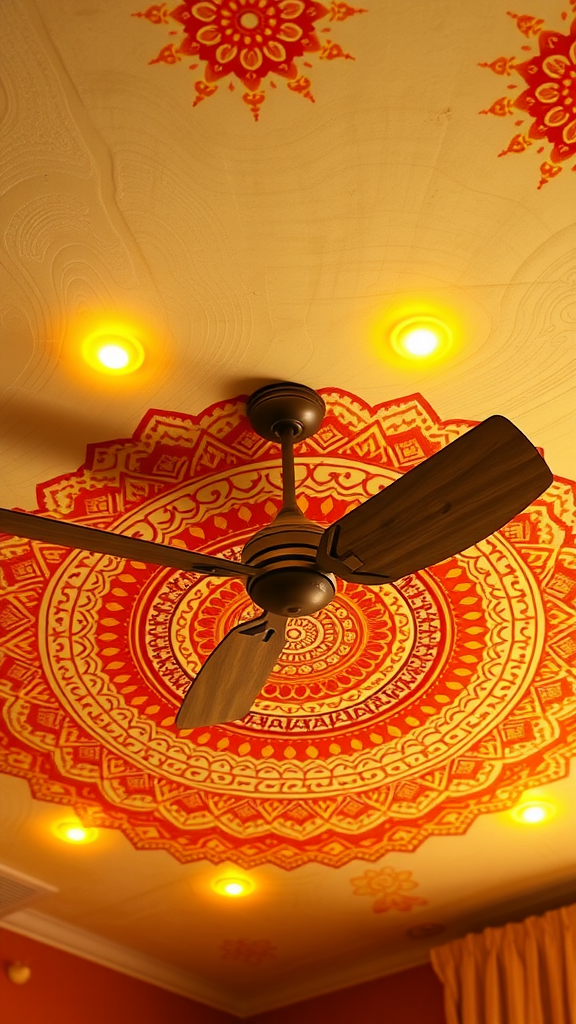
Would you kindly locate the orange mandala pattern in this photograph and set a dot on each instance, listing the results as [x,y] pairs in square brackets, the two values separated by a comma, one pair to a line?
[396,713]
[549,99]
[250,41]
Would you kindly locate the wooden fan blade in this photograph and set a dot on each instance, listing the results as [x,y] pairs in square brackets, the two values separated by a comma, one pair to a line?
[446,504]
[84,538]
[227,685]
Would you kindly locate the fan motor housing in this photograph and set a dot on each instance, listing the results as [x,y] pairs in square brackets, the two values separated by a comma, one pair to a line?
[276,405]
[289,583]
[291,592]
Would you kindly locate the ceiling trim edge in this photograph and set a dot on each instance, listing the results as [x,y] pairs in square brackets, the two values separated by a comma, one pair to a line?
[90,946]
[337,979]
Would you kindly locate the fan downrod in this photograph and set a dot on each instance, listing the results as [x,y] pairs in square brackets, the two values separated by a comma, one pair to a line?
[288,581]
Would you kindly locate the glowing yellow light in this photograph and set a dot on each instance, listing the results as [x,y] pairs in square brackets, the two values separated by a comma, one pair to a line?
[421,341]
[113,350]
[113,356]
[74,832]
[233,886]
[533,813]
[419,337]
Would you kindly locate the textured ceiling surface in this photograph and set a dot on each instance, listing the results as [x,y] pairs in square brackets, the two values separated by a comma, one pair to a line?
[260,191]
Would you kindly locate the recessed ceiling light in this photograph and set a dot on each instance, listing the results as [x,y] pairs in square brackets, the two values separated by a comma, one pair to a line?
[113,356]
[74,832]
[533,812]
[421,337]
[113,350]
[233,886]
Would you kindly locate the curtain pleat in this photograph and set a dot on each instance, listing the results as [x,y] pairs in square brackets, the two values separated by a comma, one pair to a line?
[523,973]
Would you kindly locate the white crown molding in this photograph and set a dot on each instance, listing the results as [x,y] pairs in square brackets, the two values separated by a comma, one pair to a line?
[336,979]
[90,946]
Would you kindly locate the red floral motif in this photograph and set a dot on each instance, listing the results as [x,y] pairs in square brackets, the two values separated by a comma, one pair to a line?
[549,100]
[250,39]
[248,952]
[390,888]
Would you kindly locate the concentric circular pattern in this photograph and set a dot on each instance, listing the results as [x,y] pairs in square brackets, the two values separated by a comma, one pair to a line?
[366,644]
[395,713]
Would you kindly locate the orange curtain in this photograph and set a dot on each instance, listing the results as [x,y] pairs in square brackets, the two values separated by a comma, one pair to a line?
[521,974]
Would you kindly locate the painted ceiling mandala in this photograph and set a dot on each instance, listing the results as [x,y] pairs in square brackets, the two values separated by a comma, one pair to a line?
[396,713]
[547,104]
[249,41]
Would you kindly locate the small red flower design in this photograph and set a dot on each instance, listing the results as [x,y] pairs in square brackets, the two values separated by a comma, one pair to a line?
[390,888]
[253,952]
[549,99]
[250,39]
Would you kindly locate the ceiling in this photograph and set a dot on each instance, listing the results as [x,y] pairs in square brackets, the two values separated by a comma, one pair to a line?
[249,232]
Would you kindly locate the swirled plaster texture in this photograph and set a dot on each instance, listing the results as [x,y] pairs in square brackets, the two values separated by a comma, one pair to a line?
[244,251]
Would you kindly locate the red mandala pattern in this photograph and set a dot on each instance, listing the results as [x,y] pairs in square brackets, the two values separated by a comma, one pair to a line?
[395,713]
[549,100]
[250,40]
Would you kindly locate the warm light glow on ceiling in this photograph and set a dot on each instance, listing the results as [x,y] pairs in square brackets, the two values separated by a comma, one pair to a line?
[533,812]
[233,886]
[113,356]
[113,350]
[75,832]
[425,330]
[421,337]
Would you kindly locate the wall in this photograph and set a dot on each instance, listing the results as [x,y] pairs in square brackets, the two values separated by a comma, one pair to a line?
[411,997]
[64,989]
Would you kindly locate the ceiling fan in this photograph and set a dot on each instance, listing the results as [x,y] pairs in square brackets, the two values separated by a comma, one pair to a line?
[451,501]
